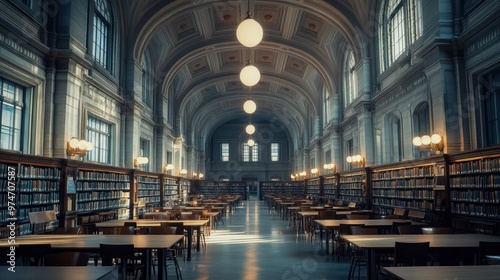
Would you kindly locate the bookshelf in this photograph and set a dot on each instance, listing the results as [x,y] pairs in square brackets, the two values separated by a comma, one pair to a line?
[28,184]
[314,187]
[330,188]
[170,191]
[416,185]
[474,190]
[148,191]
[213,189]
[353,187]
[282,188]
[103,191]
[184,190]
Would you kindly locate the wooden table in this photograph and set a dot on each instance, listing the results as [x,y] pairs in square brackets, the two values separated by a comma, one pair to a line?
[91,243]
[334,224]
[62,272]
[373,243]
[476,272]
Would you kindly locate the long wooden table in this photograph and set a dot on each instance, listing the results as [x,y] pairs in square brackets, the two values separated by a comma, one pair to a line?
[476,272]
[91,243]
[334,224]
[374,243]
[190,225]
[62,273]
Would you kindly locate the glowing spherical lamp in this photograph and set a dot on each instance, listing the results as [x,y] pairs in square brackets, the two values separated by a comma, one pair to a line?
[435,138]
[249,106]
[249,75]
[250,129]
[250,142]
[417,141]
[426,139]
[249,33]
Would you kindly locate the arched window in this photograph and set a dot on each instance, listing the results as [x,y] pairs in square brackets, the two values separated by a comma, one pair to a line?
[400,24]
[327,106]
[146,82]
[101,28]
[421,124]
[349,79]
[393,138]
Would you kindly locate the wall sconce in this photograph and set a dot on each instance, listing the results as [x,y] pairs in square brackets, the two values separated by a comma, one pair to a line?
[314,171]
[183,172]
[169,168]
[292,177]
[330,167]
[431,143]
[140,161]
[356,160]
[200,176]
[302,174]
[78,147]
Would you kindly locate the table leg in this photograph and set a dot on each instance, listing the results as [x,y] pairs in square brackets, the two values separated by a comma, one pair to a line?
[371,269]
[161,265]
[190,242]
[198,237]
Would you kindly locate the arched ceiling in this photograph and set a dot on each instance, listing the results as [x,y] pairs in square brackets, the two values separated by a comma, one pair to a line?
[197,57]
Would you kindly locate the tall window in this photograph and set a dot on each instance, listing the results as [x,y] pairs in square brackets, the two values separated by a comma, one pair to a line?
[146,83]
[421,125]
[275,151]
[349,79]
[99,133]
[327,106]
[12,108]
[393,136]
[144,151]
[490,93]
[101,33]
[400,24]
[250,153]
[225,151]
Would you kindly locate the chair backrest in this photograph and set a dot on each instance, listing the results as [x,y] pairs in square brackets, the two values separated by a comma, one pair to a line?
[67,259]
[130,224]
[416,215]
[68,230]
[125,230]
[37,252]
[327,214]
[399,212]
[357,230]
[178,225]
[489,253]
[357,217]
[88,229]
[410,229]
[162,230]
[352,205]
[108,252]
[437,230]
[346,228]
[411,253]
[339,203]
[395,226]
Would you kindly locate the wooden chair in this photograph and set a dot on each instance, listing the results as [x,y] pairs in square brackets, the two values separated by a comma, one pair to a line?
[67,259]
[34,254]
[358,257]
[67,230]
[395,225]
[122,255]
[410,229]
[344,229]
[411,254]
[399,212]
[489,253]
[357,217]
[170,254]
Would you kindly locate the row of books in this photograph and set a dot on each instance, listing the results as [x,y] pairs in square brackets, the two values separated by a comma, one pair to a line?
[415,204]
[422,171]
[87,196]
[148,180]
[475,196]
[28,171]
[476,166]
[405,183]
[475,210]
[101,186]
[351,179]
[102,205]
[23,211]
[37,186]
[148,193]
[150,199]
[490,181]
[347,186]
[38,198]
[420,194]
[102,176]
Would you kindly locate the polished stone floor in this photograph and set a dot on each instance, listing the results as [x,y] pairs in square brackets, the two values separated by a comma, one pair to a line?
[255,243]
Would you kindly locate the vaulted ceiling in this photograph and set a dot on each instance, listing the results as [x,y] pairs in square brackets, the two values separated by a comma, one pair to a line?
[197,57]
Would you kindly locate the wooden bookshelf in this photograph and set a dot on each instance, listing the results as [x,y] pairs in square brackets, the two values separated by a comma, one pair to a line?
[330,185]
[353,187]
[314,187]
[282,188]
[170,190]
[474,190]
[184,190]
[213,189]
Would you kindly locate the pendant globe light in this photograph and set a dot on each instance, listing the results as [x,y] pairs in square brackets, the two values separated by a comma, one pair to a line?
[250,142]
[249,106]
[249,75]
[249,32]
[250,129]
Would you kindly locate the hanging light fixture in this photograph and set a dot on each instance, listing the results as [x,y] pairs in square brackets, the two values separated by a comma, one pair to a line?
[249,106]
[250,142]
[249,32]
[250,129]
[249,75]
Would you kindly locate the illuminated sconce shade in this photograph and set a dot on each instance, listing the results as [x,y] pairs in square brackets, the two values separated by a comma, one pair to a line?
[78,147]
[314,171]
[140,161]
[249,106]
[329,167]
[169,168]
[356,160]
[249,75]
[250,142]
[250,129]
[183,172]
[201,175]
[432,143]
